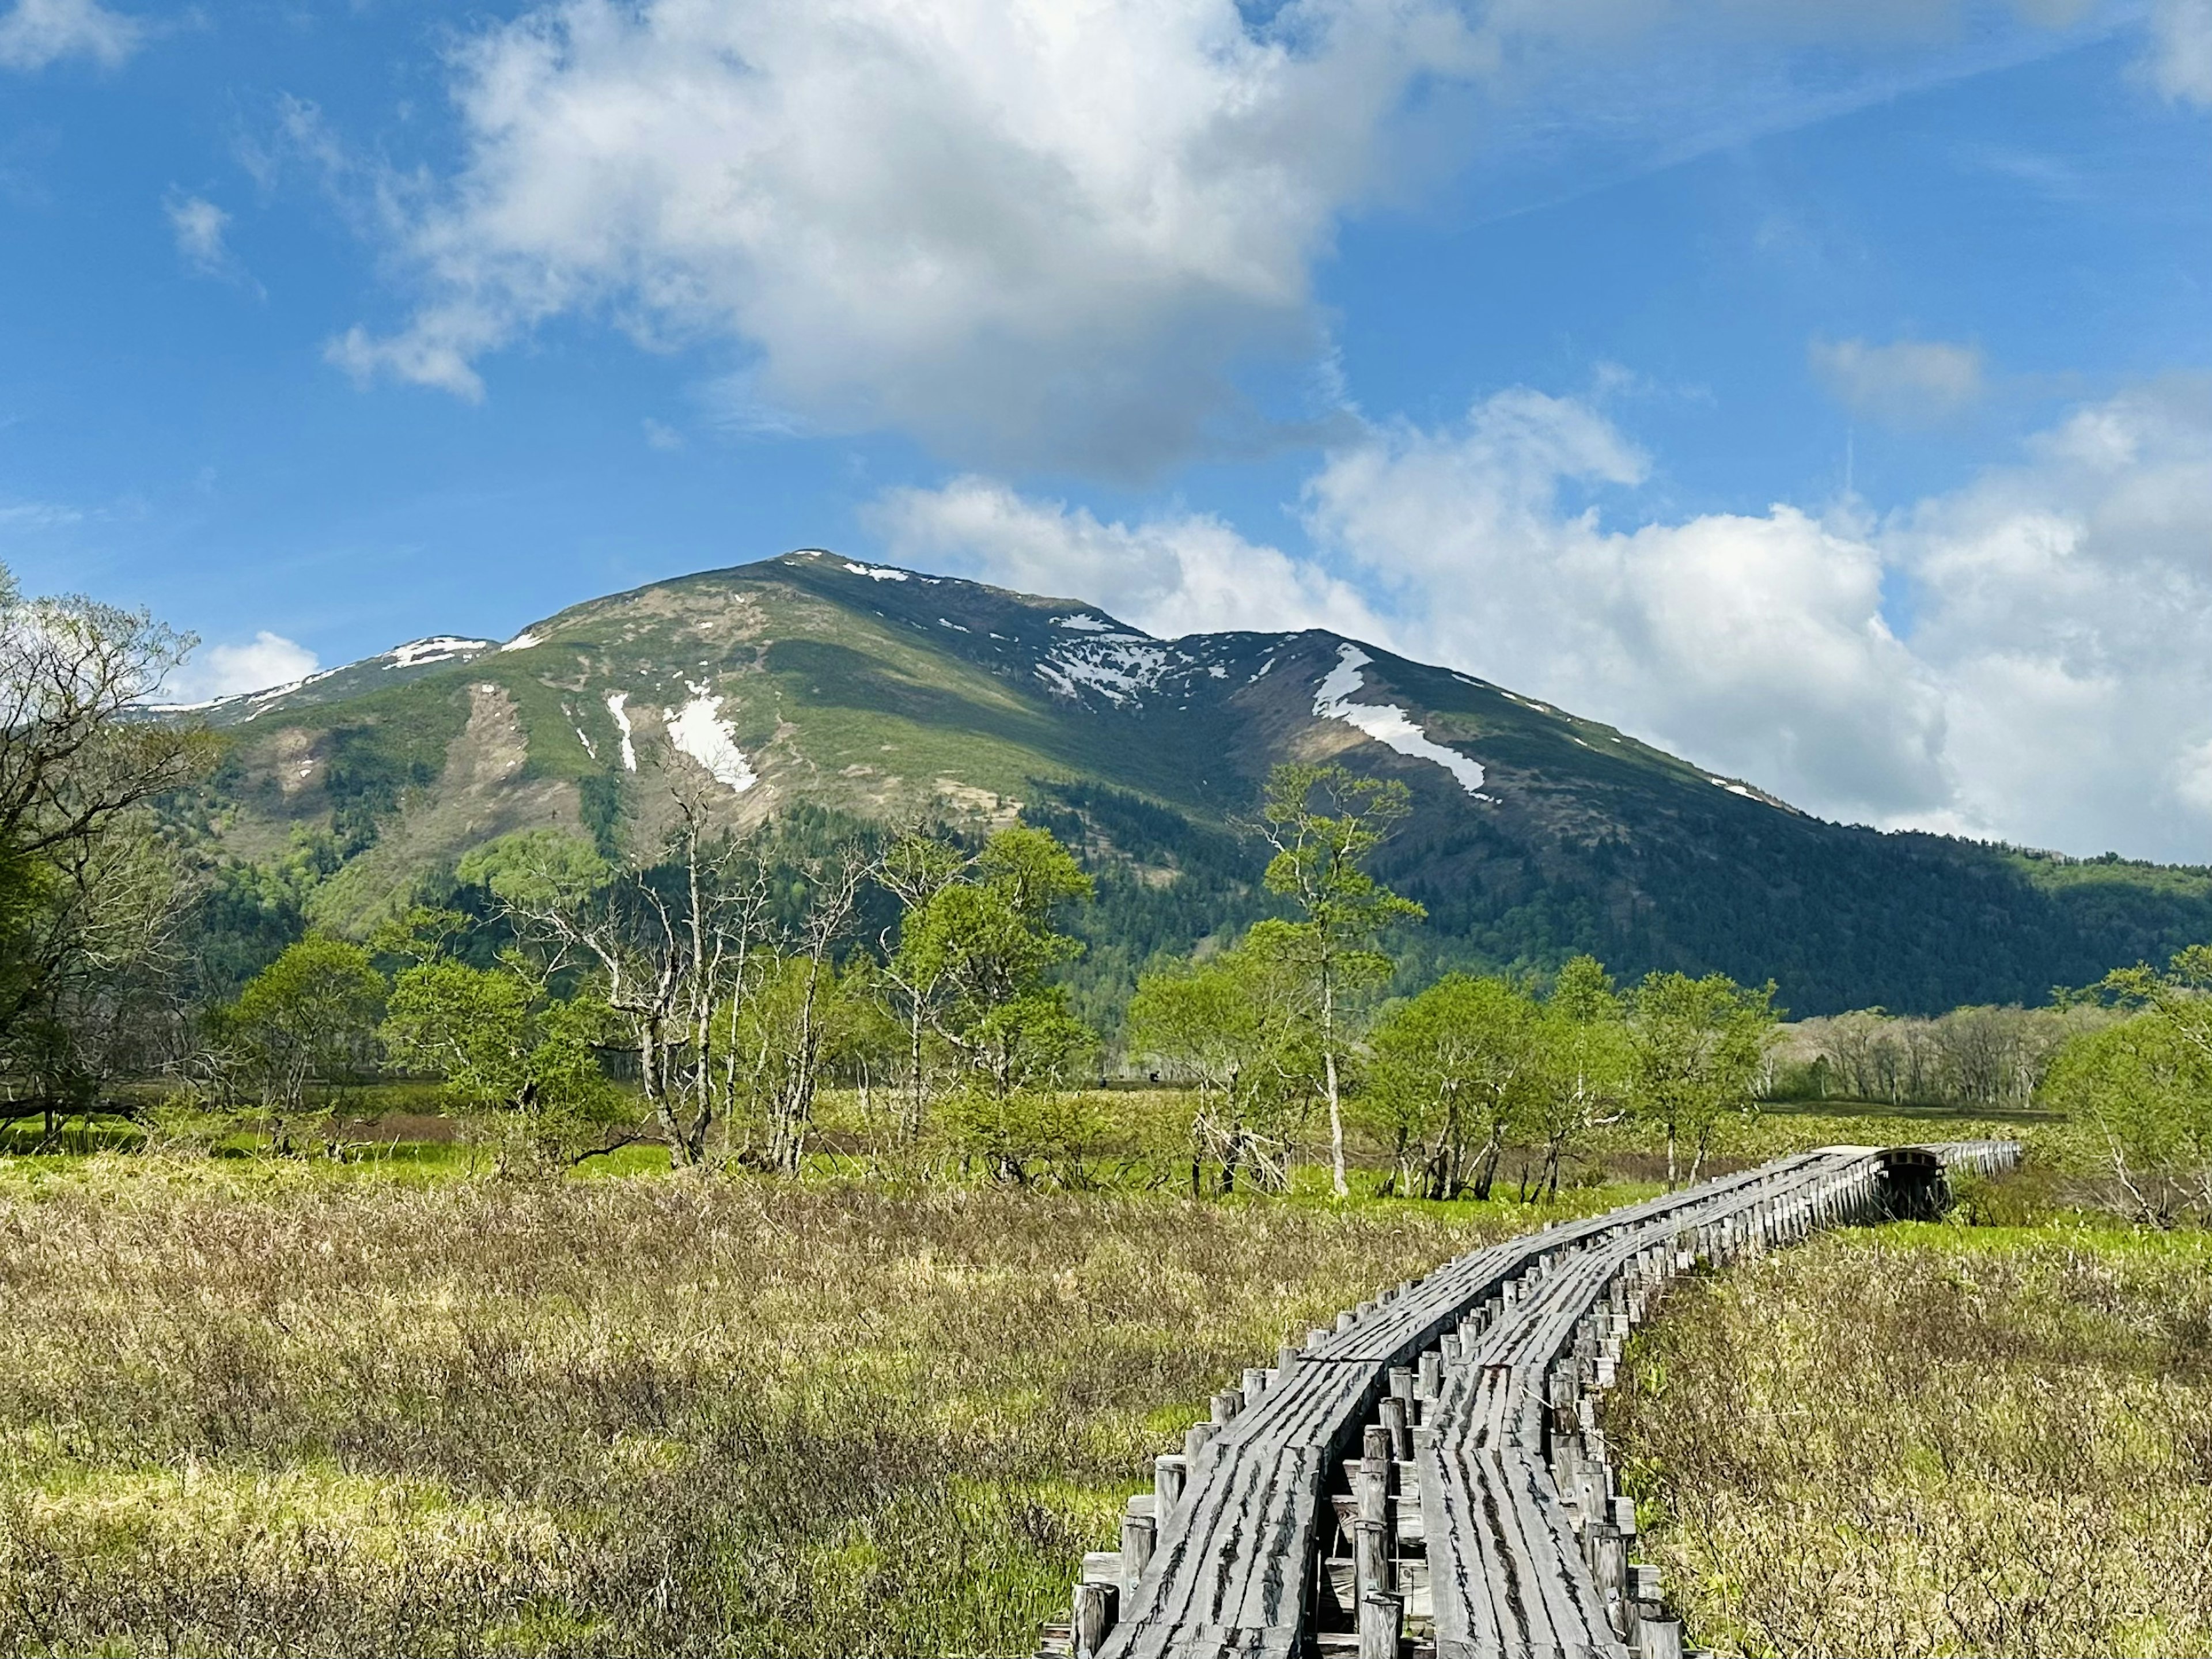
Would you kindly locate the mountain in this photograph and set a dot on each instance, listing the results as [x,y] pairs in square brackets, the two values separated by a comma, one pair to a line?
[813,681]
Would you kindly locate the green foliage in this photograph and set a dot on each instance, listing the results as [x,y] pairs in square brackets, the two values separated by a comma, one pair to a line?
[2142,1090]
[1238,1027]
[251,910]
[535,868]
[1457,1069]
[499,1044]
[1588,1064]
[1326,823]
[975,949]
[1696,1047]
[309,1017]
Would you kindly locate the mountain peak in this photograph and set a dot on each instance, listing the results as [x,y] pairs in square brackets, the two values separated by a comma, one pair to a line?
[864,689]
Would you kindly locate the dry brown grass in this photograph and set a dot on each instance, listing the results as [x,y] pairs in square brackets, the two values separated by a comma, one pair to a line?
[267,1409]
[1935,1440]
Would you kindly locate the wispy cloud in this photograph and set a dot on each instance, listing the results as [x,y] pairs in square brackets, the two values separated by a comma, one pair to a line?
[37,515]
[200,229]
[1904,383]
[36,32]
[2181,50]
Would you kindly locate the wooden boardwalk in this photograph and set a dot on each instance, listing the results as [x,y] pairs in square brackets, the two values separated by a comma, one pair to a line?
[1429,1476]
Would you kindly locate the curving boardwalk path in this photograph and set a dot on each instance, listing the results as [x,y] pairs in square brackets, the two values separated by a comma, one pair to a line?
[1429,1479]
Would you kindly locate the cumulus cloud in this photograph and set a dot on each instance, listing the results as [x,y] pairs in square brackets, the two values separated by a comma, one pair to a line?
[1173,574]
[1755,645]
[1038,231]
[1028,231]
[1904,383]
[225,671]
[36,32]
[2066,604]
[2053,684]
[2181,50]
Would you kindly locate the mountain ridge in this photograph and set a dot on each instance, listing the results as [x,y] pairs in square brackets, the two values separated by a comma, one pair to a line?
[875,692]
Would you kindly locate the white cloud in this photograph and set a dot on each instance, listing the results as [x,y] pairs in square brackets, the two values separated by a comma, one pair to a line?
[2048,682]
[198,226]
[36,32]
[1041,229]
[225,671]
[1755,645]
[1177,573]
[1905,383]
[1050,231]
[2066,603]
[659,435]
[2181,50]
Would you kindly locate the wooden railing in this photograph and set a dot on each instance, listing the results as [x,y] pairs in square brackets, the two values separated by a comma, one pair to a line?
[1430,1476]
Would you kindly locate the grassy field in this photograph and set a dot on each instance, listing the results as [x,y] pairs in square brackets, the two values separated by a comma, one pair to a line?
[1935,1439]
[261,1407]
[395,1404]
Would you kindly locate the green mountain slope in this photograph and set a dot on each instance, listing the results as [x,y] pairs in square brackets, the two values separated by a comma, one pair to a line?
[889,694]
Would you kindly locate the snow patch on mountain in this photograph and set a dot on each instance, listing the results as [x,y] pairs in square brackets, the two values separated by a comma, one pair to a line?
[878,573]
[616,706]
[443,648]
[523,641]
[1121,667]
[1083,624]
[1387,723]
[699,730]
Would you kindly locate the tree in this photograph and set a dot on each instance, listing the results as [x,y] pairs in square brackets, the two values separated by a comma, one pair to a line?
[91,896]
[1324,823]
[2142,1088]
[1235,1027]
[1461,1066]
[1586,1062]
[661,948]
[914,870]
[501,1044]
[985,944]
[1698,1046]
[309,1018]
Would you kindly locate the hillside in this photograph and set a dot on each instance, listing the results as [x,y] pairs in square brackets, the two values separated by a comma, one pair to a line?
[813,680]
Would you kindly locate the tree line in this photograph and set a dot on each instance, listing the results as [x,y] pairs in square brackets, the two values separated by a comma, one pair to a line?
[698,993]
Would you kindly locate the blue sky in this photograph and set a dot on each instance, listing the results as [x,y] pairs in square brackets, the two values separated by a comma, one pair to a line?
[1820,390]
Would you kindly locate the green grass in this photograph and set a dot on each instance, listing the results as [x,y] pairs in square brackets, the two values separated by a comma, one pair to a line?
[1934,1439]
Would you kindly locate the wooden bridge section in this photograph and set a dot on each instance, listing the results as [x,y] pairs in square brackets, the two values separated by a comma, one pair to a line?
[1429,1479]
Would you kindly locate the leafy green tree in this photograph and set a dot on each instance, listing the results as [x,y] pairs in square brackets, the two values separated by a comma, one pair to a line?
[1587,1063]
[987,942]
[1696,1047]
[1325,824]
[1236,1027]
[1460,1067]
[307,1020]
[501,1044]
[2143,1089]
